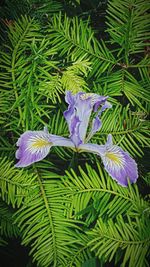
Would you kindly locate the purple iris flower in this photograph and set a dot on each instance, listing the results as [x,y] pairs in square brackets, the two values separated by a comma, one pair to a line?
[35,145]
[81,106]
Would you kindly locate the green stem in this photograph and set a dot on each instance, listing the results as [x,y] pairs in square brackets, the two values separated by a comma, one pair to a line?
[49,214]
[74,161]
[127,39]
[101,190]
[14,54]
[128,241]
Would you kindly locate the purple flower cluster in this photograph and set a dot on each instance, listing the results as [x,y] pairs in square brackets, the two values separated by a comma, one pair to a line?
[35,145]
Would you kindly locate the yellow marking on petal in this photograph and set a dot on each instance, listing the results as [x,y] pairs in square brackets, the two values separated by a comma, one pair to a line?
[114,158]
[86,96]
[40,143]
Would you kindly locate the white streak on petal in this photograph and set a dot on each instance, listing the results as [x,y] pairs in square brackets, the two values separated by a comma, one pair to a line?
[38,143]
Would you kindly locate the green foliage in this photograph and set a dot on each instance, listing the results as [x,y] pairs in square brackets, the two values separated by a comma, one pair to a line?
[75,39]
[14,67]
[122,216]
[67,209]
[128,25]
[14,183]
[71,78]
[2,242]
[41,219]
[7,226]
[35,8]
[52,86]
[147,179]
[131,237]
[95,193]
[123,83]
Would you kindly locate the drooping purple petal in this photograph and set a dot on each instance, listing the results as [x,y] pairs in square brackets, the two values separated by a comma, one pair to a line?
[120,165]
[117,162]
[35,146]
[97,123]
[105,106]
[99,100]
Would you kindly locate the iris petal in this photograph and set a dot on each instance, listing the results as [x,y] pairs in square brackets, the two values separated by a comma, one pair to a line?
[77,115]
[97,123]
[35,146]
[117,162]
[105,106]
[81,106]
[120,165]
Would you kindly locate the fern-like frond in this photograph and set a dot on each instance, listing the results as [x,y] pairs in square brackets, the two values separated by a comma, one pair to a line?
[7,225]
[146,178]
[44,8]
[20,35]
[13,8]
[27,55]
[75,39]
[123,83]
[15,183]
[57,124]
[51,88]
[145,80]
[22,32]
[94,193]
[7,149]
[131,237]
[82,257]
[2,242]
[72,79]
[53,238]
[134,91]
[35,8]
[128,25]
